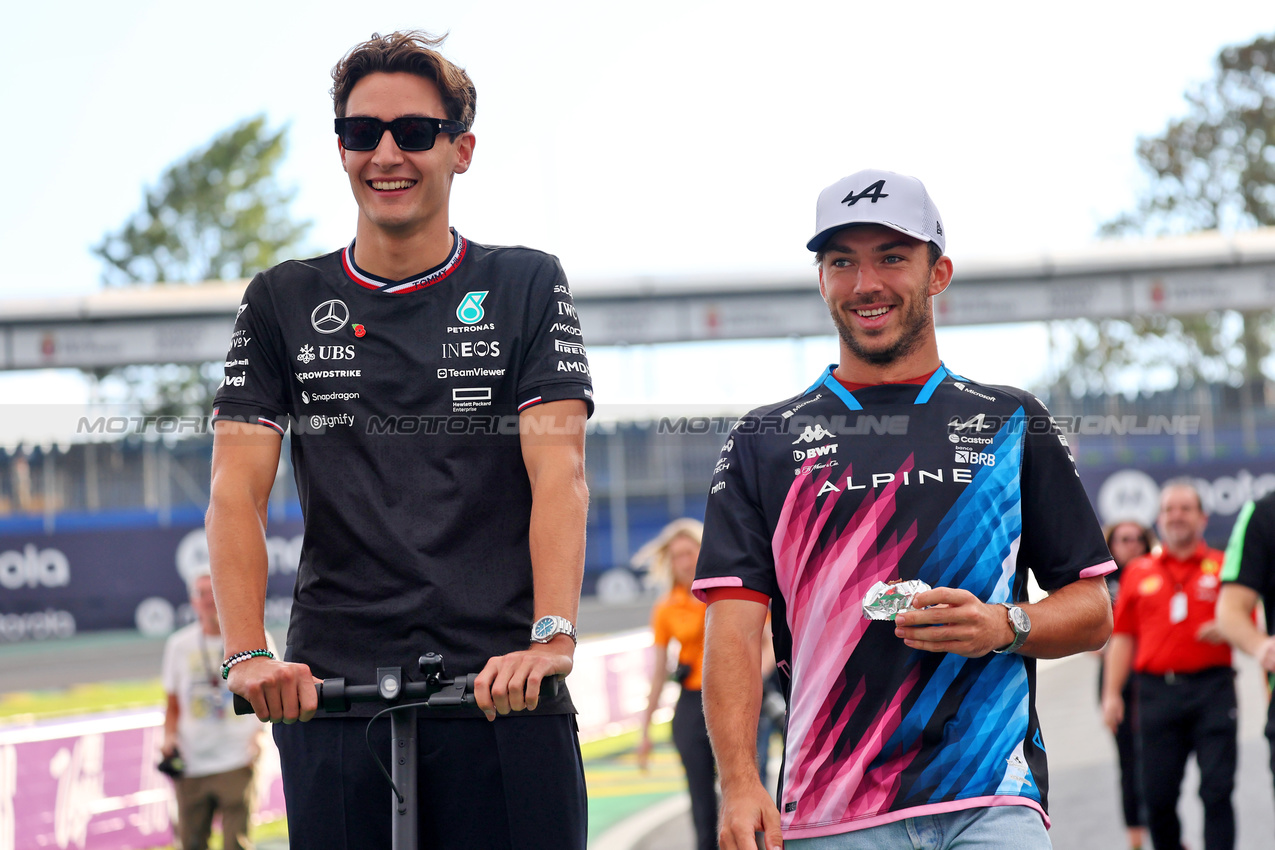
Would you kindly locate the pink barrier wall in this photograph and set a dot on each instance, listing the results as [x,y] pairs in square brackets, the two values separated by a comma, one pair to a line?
[91,783]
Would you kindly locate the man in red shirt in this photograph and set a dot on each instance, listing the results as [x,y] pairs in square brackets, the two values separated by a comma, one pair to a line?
[1166,633]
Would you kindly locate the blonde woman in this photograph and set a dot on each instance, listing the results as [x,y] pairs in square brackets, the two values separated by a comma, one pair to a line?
[671,557]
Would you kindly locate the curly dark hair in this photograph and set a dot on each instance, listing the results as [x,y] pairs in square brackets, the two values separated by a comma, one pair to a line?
[410,52]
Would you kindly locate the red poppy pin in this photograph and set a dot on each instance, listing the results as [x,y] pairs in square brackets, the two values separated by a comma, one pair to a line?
[360,331]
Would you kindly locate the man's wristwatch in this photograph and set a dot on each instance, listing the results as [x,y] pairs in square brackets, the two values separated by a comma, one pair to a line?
[1020,623]
[547,628]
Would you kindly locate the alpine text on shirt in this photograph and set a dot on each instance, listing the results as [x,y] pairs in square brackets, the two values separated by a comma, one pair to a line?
[959,484]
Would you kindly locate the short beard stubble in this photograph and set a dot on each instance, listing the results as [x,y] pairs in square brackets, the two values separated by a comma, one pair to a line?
[915,321]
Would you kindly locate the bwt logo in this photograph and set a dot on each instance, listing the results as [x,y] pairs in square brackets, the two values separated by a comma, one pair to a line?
[34,568]
[817,451]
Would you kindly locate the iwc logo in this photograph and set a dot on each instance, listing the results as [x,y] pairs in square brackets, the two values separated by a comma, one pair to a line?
[330,316]
[470,310]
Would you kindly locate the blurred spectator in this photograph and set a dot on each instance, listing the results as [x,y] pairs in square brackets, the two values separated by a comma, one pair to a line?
[1185,692]
[679,615]
[1127,540]
[209,751]
[1249,572]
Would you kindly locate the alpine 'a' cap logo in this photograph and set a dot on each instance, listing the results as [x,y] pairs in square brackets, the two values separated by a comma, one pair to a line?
[470,310]
[330,316]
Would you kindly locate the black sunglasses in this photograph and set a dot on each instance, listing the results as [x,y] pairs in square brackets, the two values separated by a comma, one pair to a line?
[410,133]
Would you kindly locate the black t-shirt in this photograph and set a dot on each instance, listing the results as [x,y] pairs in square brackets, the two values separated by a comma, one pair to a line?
[958,484]
[403,399]
[1250,558]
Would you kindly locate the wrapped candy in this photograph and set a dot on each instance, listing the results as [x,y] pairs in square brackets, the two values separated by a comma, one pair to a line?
[886,599]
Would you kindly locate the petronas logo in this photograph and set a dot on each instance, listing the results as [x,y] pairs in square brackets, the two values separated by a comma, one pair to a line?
[470,310]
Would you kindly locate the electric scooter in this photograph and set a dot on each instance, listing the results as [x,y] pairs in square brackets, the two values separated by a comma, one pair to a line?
[402,699]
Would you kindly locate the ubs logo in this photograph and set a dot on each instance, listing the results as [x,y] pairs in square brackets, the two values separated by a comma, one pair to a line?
[330,316]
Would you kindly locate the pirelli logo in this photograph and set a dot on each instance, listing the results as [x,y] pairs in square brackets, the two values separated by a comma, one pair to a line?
[569,347]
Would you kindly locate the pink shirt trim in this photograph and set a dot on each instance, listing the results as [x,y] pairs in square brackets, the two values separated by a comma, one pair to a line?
[704,584]
[1098,569]
[914,812]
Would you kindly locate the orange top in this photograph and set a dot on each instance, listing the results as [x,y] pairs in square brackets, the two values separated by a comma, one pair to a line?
[680,615]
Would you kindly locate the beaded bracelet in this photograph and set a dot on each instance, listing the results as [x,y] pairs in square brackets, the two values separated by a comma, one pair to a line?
[243,656]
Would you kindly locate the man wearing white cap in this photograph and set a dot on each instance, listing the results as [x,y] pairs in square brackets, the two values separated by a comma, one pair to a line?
[891,475]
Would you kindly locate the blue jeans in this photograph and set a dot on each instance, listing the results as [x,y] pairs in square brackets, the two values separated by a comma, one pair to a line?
[991,828]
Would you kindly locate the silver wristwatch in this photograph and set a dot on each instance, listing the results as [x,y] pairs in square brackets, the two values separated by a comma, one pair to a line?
[546,628]
[1020,623]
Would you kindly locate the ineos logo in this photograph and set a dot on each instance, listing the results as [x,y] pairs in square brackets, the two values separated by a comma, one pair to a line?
[330,316]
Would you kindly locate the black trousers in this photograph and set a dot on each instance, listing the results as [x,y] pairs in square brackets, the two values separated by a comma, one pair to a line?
[516,783]
[1127,752]
[690,736]
[1184,714]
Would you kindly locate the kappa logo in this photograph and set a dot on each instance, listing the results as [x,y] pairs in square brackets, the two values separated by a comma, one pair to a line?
[307,354]
[470,310]
[813,433]
[330,316]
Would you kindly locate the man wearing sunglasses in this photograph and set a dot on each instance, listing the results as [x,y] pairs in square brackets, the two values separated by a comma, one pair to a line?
[436,390]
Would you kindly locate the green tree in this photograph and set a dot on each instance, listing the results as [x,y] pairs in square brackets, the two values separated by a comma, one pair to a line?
[1211,169]
[217,214]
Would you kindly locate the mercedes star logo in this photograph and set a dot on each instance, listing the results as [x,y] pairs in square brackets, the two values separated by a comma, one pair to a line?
[330,316]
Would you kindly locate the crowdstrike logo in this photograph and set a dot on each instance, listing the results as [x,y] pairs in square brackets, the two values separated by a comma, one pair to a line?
[330,316]
[813,433]
[470,310]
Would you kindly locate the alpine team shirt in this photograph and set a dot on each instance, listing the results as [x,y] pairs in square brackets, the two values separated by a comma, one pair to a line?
[403,398]
[954,483]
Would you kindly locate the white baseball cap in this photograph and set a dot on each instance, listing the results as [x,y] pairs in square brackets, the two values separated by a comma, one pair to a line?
[873,196]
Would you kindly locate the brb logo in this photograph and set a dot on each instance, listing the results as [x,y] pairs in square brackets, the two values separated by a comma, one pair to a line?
[470,310]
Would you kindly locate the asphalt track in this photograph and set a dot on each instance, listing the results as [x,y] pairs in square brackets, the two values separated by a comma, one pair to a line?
[1084,794]
[649,811]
